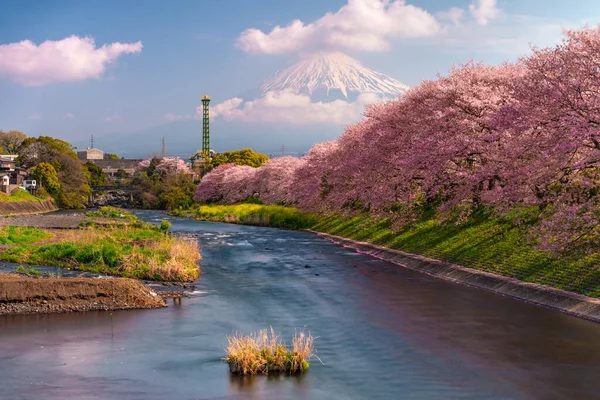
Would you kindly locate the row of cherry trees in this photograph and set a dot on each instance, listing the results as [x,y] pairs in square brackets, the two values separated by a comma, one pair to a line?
[519,134]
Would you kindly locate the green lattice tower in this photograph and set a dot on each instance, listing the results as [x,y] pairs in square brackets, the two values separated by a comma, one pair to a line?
[205,126]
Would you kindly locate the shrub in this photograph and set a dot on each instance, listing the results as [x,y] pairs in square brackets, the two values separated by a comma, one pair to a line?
[165,225]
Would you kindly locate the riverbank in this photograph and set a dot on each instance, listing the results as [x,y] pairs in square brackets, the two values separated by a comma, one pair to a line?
[28,295]
[117,244]
[489,252]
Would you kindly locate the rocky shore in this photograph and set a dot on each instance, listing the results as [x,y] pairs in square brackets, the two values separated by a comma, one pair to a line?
[30,295]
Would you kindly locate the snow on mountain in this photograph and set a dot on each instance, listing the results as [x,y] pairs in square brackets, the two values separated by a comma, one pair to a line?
[332,76]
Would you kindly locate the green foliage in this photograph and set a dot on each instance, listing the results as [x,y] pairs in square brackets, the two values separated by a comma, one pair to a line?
[122,174]
[74,189]
[165,225]
[45,174]
[252,214]
[240,157]
[111,212]
[21,234]
[27,271]
[498,244]
[167,192]
[110,156]
[96,176]
[18,195]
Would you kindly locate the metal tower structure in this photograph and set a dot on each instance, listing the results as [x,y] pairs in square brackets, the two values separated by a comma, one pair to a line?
[205,126]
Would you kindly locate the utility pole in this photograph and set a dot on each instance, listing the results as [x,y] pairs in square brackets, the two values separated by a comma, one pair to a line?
[282,150]
[163,152]
[92,142]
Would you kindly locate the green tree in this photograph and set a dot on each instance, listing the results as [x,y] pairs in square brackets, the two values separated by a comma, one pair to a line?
[46,176]
[11,140]
[96,176]
[110,156]
[240,157]
[122,174]
[74,188]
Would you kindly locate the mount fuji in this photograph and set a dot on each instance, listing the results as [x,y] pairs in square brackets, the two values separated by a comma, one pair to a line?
[330,77]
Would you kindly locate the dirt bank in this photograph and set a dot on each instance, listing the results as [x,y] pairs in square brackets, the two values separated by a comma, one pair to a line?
[28,295]
[55,221]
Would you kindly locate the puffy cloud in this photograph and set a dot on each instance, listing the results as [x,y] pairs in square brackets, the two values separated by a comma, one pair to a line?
[484,10]
[361,25]
[68,116]
[35,117]
[70,59]
[293,108]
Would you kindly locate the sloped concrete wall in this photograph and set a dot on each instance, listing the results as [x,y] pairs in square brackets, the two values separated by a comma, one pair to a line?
[568,302]
[27,207]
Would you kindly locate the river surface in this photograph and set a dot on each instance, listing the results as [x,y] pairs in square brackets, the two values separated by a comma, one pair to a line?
[384,332]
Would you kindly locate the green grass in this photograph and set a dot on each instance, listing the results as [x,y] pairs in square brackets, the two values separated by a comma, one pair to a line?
[21,235]
[111,212]
[486,242]
[18,195]
[27,271]
[133,249]
[252,214]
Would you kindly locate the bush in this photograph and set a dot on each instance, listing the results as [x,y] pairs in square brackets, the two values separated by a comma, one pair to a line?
[165,225]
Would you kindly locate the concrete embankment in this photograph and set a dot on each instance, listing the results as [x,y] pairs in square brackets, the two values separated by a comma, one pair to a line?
[27,207]
[571,303]
[29,295]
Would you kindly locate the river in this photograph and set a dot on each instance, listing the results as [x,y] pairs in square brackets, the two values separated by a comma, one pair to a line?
[384,332]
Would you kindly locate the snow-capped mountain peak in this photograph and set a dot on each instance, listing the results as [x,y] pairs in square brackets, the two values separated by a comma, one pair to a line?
[332,75]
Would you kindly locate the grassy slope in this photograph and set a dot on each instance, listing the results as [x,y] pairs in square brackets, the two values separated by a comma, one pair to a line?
[252,214]
[18,195]
[487,243]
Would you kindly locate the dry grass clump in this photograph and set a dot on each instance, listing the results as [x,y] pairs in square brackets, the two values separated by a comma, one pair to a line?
[168,259]
[263,352]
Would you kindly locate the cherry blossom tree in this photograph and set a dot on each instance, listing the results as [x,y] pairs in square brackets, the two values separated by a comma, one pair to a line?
[273,181]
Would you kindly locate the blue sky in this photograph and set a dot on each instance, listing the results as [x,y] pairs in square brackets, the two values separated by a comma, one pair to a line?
[189,48]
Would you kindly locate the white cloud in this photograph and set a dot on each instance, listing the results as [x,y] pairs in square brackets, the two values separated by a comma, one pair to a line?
[361,25]
[34,117]
[68,116]
[292,108]
[453,15]
[113,117]
[70,59]
[176,117]
[484,10]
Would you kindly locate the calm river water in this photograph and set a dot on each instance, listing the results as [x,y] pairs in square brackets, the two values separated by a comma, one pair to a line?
[383,333]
